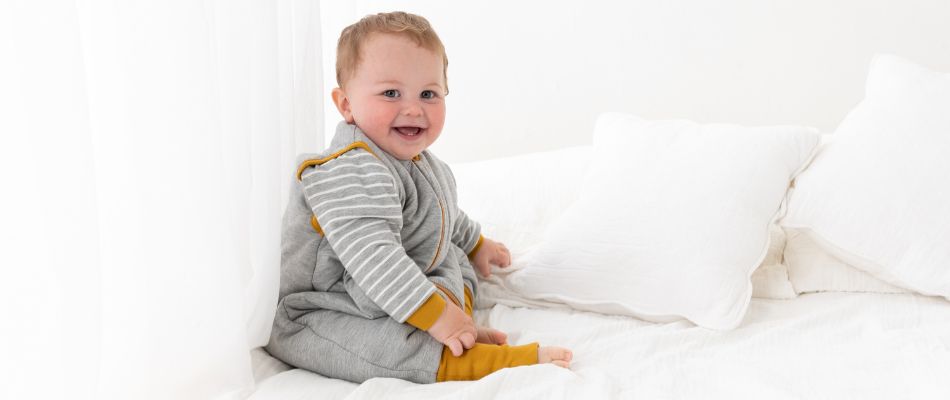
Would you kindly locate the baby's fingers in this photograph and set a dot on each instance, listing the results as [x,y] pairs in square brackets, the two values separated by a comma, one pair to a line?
[502,257]
[467,339]
[491,336]
[483,269]
[500,337]
[455,346]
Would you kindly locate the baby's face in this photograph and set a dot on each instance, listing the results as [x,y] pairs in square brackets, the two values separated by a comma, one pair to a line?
[396,95]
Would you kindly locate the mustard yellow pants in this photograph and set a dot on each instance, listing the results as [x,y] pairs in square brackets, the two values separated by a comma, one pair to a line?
[483,359]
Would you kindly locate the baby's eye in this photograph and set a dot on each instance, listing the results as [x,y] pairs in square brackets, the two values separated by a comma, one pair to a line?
[391,93]
[428,94]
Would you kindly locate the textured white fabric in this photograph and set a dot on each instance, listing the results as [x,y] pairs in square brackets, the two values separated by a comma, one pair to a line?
[812,269]
[809,268]
[300,384]
[516,198]
[672,219]
[770,280]
[265,365]
[817,346]
[878,196]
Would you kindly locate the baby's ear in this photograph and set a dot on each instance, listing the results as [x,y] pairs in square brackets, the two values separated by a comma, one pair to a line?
[342,104]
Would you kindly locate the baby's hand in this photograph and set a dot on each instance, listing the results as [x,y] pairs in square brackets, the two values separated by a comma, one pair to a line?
[454,329]
[491,252]
[491,336]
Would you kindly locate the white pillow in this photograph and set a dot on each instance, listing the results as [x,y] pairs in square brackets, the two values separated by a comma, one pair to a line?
[878,197]
[812,269]
[516,198]
[672,219]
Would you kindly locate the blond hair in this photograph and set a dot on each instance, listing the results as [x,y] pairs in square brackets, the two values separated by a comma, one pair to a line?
[400,23]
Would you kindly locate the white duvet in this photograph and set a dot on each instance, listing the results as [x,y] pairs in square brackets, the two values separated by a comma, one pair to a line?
[826,345]
[815,346]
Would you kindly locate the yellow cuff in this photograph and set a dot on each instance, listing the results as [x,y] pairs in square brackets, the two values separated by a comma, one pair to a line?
[468,301]
[478,245]
[428,313]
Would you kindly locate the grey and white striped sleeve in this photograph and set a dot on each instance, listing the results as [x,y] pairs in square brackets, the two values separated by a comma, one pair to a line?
[354,200]
[467,234]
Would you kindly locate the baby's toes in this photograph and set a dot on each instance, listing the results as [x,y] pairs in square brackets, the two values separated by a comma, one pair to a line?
[550,354]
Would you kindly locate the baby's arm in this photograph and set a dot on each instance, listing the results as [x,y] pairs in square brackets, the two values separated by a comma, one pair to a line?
[355,205]
[354,202]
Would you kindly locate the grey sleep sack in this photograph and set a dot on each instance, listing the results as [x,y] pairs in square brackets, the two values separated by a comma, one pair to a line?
[366,239]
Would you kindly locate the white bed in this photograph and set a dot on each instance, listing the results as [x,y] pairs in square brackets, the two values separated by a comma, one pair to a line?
[810,345]
[821,345]
[147,161]
[768,264]
[816,326]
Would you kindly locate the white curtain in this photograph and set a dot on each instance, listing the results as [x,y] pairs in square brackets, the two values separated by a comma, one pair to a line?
[146,150]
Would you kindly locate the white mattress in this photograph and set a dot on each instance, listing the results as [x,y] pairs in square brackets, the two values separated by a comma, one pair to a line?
[824,345]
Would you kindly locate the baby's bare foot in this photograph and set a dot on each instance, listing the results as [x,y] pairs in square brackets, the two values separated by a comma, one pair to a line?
[555,355]
[490,336]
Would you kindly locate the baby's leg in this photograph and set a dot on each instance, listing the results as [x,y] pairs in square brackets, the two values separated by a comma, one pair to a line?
[483,359]
[546,354]
[340,345]
[492,353]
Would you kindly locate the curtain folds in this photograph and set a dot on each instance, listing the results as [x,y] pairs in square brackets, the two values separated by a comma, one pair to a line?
[147,149]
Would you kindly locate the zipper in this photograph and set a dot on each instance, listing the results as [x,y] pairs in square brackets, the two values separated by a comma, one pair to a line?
[438,249]
[449,295]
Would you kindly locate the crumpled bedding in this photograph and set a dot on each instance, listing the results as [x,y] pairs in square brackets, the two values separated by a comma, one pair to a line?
[822,345]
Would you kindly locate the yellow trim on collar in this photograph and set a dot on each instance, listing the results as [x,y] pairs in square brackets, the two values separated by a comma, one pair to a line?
[316,225]
[319,161]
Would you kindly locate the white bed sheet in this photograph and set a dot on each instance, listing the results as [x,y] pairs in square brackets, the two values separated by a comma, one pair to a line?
[822,345]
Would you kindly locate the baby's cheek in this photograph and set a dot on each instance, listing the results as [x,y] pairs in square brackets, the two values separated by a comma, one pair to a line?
[377,116]
[379,122]
[436,117]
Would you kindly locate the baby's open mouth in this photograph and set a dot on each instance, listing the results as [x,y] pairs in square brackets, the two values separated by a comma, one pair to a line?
[408,130]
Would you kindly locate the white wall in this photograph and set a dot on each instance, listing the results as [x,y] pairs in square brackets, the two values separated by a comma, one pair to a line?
[533,75]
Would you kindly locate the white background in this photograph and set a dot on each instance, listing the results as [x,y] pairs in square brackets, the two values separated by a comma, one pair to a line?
[532,75]
[146,146]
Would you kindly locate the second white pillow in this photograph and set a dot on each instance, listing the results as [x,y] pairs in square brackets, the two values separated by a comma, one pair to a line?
[878,197]
[672,219]
[812,269]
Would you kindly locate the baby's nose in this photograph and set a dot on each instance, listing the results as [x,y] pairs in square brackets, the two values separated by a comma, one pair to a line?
[412,110]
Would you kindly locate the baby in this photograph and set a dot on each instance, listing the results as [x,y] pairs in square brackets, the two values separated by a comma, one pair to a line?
[378,262]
